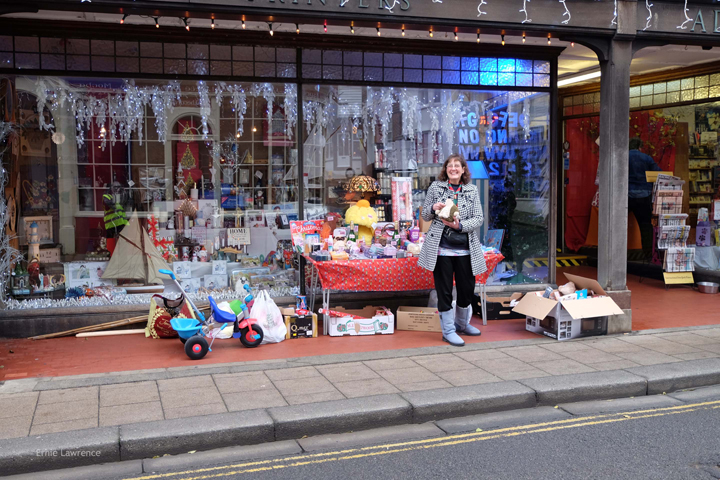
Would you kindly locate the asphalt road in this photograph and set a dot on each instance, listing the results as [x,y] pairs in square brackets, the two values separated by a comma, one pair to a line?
[673,443]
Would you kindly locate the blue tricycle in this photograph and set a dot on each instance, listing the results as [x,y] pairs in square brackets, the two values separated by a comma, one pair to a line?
[193,332]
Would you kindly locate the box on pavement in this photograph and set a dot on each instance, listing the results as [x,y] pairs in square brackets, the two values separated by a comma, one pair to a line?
[418,319]
[566,319]
[499,308]
[299,326]
[373,320]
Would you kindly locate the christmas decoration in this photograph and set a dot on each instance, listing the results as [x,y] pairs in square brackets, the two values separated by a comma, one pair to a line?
[389,7]
[649,6]
[567,12]
[205,111]
[8,254]
[524,10]
[166,246]
[290,108]
[613,22]
[479,8]
[687,18]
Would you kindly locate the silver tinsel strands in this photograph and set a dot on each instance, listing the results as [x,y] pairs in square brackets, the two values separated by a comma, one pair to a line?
[268,93]
[525,11]
[290,107]
[389,7]
[567,12]
[205,110]
[613,22]
[8,254]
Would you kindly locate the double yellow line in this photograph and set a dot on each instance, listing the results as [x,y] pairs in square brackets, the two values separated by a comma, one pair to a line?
[376,450]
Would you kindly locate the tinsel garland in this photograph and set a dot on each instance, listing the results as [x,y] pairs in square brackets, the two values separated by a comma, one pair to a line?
[290,107]
[8,255]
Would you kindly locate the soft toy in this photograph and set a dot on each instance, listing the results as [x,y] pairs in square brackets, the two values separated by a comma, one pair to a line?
[363,215]
[449,212]
[331,221]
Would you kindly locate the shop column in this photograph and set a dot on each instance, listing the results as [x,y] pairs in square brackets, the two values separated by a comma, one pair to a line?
[613,168]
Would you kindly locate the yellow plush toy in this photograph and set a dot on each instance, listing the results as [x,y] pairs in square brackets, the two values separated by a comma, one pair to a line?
[364,216]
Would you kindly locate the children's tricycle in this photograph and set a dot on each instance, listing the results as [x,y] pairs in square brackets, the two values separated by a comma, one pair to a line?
[194,332]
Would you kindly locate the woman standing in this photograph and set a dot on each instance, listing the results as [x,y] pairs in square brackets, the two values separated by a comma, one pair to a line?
[453,248]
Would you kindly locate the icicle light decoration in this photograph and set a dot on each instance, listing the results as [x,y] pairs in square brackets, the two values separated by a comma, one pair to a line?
[290,107]
[567,12]
[267,91]
[649,6]
[613,22]
[205,109]
[8,254]
[687,18]
[389,7]
[524,10]
[479,8]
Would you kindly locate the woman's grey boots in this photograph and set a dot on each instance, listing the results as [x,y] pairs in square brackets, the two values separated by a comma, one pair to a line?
[447,322]
[462,322]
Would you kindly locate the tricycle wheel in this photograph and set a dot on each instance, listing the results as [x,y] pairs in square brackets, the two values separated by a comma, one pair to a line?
[183,339]
[246,338]
[196,347]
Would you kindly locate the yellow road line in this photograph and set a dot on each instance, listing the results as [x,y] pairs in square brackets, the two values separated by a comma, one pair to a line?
[355,453]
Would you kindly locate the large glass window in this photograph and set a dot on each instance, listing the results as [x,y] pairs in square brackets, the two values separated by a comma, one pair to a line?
[404,135]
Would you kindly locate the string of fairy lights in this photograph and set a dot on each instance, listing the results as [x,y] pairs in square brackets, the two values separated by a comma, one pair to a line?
[482,6]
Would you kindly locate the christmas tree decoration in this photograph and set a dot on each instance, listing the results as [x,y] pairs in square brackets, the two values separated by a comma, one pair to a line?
[188,161]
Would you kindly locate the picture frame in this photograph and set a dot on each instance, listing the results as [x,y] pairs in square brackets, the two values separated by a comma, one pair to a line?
[45,229]
[255,218]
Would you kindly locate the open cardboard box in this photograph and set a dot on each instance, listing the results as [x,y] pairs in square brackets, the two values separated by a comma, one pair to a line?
[371,323]
[418,319]
[569,318]
[498,308]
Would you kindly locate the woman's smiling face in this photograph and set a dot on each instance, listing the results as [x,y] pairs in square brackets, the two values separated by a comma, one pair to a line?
[454,171]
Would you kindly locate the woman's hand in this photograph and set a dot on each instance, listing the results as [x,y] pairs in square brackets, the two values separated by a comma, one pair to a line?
[454,225]
[438,206]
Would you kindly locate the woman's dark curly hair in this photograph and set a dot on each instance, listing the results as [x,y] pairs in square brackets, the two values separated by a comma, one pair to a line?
[465,179]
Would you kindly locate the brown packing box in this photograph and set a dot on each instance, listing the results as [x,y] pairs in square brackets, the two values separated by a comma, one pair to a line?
[498,308]
[539,307]
[418,319]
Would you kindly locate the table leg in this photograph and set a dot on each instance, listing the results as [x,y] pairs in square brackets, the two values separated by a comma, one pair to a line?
[483,303]
[313,286]
[326,306]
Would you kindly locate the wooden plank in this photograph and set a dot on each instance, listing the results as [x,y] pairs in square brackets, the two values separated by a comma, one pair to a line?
[107,333]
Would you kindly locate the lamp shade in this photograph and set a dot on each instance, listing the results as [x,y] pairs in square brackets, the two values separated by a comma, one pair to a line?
[363,184]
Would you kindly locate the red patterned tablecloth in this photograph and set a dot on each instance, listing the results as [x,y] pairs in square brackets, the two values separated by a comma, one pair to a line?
[384,275]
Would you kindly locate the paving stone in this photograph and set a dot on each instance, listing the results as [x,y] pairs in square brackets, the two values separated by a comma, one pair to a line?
[468,376]
[345,372]
[615,346]
[130,413]
[478,357]
[586,386]
[615,365]
[18,404]
[645,402]
[442,363]
[60,412]
[252,399]
[189,398]
[408,375]
[590,355]
[432,405]
[687,338]
[297,421]
[314,398]
[128,393]
[563,367]
[505,365]
[304,386]
[531,354]
[390,364]
[65,426]
[648,357]
[22,385]
[292,373]
[199,410]
[708,332]
[15,426]
[186,383]
[714,347]
[363,388]
[83,394]
[671,348]
[242,382]
[429,385]
[567,346]
[530,372]
[696,355]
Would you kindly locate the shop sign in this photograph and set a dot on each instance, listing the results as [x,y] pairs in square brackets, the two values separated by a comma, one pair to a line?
[677,278]
[679,18]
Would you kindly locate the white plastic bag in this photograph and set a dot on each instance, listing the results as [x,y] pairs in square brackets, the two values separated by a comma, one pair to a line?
[269,318]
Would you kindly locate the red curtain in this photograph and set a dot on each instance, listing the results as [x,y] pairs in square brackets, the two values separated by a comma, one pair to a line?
[658,136]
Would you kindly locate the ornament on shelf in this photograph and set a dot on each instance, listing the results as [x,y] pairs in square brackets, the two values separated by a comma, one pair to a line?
[687,18]
[479,8]
[524,10]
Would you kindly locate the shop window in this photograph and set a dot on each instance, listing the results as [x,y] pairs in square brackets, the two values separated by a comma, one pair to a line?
[504,135]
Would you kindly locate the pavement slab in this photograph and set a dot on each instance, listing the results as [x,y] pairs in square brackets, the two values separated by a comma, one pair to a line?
[15,426]
[468,376]
[194,411]
[252,399]
[18,404]
[128,393]
[563,367]
[442,363]
[242,382]
[58,412]
[83,394]
[344,372]
[130,413]
[531,354]
[363,387]
[64,426]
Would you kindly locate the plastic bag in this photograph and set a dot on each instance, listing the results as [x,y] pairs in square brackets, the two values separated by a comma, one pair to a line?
[269,318]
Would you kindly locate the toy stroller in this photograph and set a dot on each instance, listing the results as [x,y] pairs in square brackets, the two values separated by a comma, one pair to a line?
[193,332]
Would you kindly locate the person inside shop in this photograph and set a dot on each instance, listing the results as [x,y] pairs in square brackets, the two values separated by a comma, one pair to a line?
[452,249]
[640,193]
[114,219]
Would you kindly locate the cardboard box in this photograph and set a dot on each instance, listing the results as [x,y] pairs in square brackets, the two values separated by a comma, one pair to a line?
[418,319]
[569,318]
[374,320]
[299,326]
[498,308]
